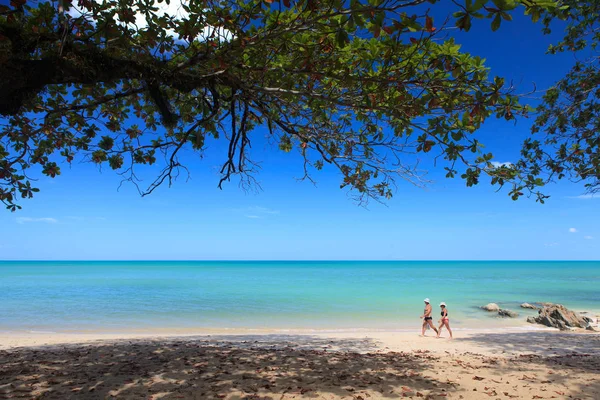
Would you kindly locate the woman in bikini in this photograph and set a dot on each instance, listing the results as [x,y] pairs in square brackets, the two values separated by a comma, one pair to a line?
[445,321]
[427,318]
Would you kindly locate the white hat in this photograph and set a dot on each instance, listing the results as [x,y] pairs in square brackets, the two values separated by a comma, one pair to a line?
[442,304]
[426,300]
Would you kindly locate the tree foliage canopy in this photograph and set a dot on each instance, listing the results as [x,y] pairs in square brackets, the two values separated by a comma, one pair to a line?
[566,133]
[357,85]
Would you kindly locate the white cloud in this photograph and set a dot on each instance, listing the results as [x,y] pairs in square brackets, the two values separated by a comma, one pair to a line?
[588,237]
[173,9]
[497,164]
[572,230]
[23,220]
[550,244]
[585,197]
[256,212]
[263,210]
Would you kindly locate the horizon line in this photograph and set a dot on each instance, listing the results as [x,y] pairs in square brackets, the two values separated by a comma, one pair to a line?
[290,260]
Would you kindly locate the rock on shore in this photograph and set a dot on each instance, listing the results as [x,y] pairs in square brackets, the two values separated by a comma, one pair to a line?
[491,307]
[558,316]
[507,313]
[529,306]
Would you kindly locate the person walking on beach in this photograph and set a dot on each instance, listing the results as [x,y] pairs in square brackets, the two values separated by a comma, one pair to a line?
[427,318]
[445,321]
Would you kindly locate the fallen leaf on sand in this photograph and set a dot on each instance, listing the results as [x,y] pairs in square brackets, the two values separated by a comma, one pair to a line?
[478,378]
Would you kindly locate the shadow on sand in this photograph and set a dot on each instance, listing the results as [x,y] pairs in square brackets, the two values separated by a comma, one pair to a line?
[288,366]
[543,342]
[557,357]
[266,367]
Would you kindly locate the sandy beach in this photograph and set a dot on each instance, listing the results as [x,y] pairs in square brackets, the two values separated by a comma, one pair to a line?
[478,364]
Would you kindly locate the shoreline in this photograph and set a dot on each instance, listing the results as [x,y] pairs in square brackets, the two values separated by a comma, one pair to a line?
[511,340]
[185,331]
[484,321]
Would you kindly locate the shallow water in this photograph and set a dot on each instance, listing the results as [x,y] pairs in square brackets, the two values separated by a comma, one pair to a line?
[129,296]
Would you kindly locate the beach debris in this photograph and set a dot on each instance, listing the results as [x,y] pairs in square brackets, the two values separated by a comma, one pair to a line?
[529,306]
[491,307]
[558,316]
[507,313]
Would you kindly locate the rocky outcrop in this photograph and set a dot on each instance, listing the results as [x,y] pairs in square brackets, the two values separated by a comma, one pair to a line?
[491,307]
[529,306]
[507,313]
[558,316]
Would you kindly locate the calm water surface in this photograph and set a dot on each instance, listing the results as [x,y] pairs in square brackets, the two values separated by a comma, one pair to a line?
[130,296]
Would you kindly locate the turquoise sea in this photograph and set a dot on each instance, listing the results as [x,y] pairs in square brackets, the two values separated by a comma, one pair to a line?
[122,296]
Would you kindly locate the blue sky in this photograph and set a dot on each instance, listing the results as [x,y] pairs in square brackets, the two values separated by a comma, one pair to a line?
[81,215]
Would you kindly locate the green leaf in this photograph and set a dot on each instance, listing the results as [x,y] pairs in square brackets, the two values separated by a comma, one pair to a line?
[496,22]
[115,161]
[106,143]
[99,156]
[342,38]
[506,5]
[464,23]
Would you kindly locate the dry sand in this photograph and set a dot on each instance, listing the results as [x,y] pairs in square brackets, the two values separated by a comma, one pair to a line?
[478,364]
